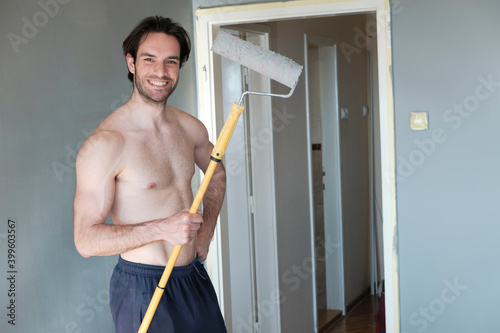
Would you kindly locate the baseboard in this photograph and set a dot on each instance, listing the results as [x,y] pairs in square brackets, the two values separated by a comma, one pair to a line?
[327,321]
[357,300]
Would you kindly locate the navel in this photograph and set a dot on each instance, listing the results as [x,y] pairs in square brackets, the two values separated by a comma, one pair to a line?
[151,185]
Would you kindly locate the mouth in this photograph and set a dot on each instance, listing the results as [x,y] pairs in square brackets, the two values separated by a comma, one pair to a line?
[158,83]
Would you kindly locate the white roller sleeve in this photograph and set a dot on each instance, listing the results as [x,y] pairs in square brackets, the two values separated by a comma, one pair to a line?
[259,59]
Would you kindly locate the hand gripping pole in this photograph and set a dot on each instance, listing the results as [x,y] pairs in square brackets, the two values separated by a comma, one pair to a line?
[215,158]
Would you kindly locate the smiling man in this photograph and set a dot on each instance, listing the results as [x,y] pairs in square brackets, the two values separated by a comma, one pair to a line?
[137,167]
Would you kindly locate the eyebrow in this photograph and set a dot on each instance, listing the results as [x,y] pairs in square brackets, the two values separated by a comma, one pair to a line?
[146,54]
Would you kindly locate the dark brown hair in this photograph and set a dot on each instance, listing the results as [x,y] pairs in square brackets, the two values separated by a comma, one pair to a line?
[156,24]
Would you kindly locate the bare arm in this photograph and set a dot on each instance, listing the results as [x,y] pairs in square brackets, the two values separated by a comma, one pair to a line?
[214,195]
[97,166]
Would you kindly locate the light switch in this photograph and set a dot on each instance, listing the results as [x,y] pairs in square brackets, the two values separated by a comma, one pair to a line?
[419,120]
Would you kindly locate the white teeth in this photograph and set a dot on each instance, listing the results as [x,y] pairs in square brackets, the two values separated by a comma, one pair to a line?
[158,83]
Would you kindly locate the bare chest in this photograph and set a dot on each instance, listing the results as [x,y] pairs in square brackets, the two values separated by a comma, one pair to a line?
[157,161]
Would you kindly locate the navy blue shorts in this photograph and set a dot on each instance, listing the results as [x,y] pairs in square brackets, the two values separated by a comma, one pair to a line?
[188,305]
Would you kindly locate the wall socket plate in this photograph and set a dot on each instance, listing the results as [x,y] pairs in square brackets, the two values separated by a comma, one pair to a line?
[419,120]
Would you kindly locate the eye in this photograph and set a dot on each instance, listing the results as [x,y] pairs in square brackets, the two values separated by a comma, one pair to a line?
[172,62]
[148,59]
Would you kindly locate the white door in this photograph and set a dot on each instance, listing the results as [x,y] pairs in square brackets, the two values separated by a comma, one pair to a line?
[250,200]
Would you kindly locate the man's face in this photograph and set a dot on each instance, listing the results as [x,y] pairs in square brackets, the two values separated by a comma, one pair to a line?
[156,69]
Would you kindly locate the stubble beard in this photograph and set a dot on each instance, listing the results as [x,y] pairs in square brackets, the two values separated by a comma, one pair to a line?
[148,97]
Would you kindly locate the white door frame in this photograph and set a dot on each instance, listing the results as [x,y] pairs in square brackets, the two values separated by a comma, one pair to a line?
[207,25]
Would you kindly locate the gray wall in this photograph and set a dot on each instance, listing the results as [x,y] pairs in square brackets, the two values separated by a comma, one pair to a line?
[67,75]
[444,53]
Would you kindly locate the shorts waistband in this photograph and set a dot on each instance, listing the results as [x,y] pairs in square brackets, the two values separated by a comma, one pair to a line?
[157,271]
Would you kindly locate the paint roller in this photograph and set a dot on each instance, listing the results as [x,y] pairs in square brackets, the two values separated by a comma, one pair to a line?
[263,61]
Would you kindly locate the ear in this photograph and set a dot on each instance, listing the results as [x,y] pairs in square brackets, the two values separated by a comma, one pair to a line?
[130,63]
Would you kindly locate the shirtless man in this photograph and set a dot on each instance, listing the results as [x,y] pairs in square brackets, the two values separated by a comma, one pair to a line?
[137,167]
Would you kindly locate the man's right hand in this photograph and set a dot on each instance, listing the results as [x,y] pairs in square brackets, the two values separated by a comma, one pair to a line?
[182,227]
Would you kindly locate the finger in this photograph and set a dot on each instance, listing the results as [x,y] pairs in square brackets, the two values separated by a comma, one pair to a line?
[201,214]
[202,255]
[195,218]
[191,227]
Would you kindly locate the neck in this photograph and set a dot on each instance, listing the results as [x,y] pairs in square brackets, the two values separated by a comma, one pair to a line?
[148,113]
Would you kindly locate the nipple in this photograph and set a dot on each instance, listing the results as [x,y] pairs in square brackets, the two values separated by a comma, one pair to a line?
[151,185]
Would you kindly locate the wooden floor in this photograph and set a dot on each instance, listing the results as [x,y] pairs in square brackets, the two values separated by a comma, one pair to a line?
[327,318]
[360,320]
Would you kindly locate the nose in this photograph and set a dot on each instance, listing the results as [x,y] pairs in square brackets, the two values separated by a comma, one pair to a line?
[161,69]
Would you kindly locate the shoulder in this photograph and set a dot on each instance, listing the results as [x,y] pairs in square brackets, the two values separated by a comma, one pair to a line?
[187,119]
[192,125]
[102,148]
[103,139]
[107,138]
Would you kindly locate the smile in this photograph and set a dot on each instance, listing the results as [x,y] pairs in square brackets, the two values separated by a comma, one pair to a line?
[157,83]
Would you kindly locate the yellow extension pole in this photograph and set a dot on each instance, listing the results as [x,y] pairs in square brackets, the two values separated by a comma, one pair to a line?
[216,157]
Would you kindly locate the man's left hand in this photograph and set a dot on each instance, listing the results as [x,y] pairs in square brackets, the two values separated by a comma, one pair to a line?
[203,244]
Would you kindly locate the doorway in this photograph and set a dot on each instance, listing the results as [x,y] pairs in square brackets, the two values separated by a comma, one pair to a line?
[208,22]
